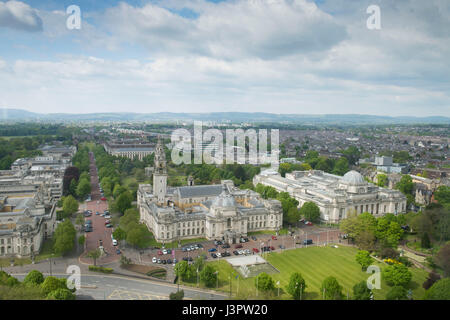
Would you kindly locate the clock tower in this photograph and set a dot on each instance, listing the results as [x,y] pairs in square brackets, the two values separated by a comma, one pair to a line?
[160,173]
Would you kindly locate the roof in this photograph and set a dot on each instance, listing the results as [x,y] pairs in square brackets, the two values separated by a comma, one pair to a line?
[200,191]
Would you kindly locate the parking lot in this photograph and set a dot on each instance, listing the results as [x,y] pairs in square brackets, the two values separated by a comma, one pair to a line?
[254,245]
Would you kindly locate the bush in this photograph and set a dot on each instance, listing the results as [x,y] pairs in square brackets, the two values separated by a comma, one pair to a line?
[397,275]
[157,273]
[34,277]
[177,295]
[397,293]
[61,294]
[404,260]
[101,269]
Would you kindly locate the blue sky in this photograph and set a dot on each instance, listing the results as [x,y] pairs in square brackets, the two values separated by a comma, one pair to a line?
[279,56]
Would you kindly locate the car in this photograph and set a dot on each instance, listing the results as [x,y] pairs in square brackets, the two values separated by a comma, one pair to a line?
[154,260]
[164,251]
[190,259]
[114,242]
[274,238]
[226,246]
[175,260]
[193,248]
[109,225]
[160,252]
[272,248]
[247,251]
[103,199]
[282,247]
[253,238]
[214,255]
[107,221]
[218,254]
[118,251]
[255,250]
[169,261]
[163,261]
[88,221]
[238,246]
[97,213]
[196,247]
[200,246]
[309,223]
[227,254]
[183,249]
[212,250]
[235,253]
[98,202]
[158,261]
[307,241]
[102,215]
[107,216]
[169,251]
[185,258]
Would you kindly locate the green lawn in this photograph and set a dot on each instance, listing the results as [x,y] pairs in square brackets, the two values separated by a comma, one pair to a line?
[315,264]
[255,233]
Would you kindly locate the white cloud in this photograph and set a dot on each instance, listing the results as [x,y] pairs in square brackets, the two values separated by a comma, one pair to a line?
[19,15]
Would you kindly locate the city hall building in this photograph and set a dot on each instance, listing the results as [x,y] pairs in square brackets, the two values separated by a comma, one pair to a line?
[220,211]
[335,196]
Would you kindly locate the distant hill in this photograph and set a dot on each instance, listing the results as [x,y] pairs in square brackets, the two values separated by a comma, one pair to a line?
[23,115]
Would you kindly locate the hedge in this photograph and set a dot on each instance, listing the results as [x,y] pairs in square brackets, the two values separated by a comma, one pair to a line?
[101,269]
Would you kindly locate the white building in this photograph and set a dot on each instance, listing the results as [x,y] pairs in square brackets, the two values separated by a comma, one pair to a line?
[220,211]
[335,196]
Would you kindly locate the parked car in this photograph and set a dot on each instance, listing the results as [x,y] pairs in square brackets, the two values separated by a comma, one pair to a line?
[169,261]
[219,254]
[158,261]
[107,221]
[254,238]
[190,259]
[272,248]
[235,253]
[109,225]
[107,216]
[97,213]
[238,246]
[175,260]
[163,261]
[214,255]
[118,251]
[212,250]
[282,247]
[164,251]
[226,246]
[154,260]
[307,241]
[103,199]
[160,252]
[199,245]
[255,250]
[114,242]
[169,251]
[274,238]
[184,249]
[185,258]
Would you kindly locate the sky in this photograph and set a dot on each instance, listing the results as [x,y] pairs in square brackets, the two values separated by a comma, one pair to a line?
[276,56]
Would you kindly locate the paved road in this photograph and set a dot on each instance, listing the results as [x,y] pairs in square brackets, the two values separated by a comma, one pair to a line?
[104,287]
[100,232]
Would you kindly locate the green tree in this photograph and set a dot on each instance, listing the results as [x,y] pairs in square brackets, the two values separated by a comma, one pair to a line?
[70,205]
[264,282]
[81,240]
[123,202]
[310,211]
[352,154]
[94,254]
[184,270]
[83,188]
[139,236]
[119,234]
[341,166]
[64,237]
[361,291]
[34,277]
[397,293]
[293,215]
[443,259]
[440,290]
[425,241]
[208,276]
[51,284]
[397,275]
[442,195]
[331,289]
[405,185]
[118,190]
[296,286]
[382,180]
[364,259]
[73,187]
